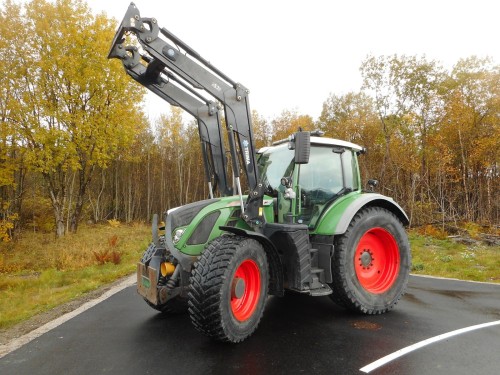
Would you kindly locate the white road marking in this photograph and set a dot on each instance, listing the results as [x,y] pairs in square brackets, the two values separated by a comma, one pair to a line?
[399,353]
[453,279]
[23,340]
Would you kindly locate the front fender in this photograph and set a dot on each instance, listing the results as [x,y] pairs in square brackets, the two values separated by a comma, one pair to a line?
[276,286]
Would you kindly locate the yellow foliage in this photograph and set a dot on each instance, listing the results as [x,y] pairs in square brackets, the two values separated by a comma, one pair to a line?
[114,223]
[472,229]
[432,231]
[74,110]
[6,225]
[288,123]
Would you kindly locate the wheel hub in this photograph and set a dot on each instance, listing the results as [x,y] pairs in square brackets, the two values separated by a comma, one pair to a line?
[366,259]
[238,288]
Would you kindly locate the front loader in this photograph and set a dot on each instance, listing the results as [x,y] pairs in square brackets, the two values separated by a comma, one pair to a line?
[298,221]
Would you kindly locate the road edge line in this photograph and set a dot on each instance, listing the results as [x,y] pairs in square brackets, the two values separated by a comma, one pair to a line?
[453,279]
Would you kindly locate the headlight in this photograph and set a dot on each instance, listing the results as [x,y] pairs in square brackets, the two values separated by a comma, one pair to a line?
[178,234]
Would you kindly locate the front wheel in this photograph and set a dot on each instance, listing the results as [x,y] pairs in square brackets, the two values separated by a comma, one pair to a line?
[228,288]
[371,263]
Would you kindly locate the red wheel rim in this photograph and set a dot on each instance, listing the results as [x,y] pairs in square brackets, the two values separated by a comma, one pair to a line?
[376,261]
[245,290]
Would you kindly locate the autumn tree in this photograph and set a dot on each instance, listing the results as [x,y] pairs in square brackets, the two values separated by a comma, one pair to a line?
[75,109]
[348,117]
[288,122]
[261,130]
[407,94]
[352,117]
[470,134]
[180,157]
[12,169]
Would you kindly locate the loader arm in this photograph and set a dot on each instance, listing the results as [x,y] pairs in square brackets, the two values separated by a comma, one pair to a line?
[189,79]
[178,94]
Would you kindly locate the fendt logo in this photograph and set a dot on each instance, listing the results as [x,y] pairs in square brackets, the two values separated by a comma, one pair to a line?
[246,151]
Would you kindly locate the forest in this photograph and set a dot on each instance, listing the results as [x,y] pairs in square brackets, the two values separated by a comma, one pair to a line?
[77,147]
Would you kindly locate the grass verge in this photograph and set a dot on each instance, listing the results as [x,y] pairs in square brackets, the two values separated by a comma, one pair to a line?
[447,258]
[39,272]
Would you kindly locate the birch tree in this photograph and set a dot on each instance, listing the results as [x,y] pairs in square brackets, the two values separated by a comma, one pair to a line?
[77,110]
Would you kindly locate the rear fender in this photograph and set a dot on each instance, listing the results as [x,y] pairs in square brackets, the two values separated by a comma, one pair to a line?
[338,216]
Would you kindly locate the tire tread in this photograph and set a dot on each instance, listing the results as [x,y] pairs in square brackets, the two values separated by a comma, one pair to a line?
[205,291]
[342,293]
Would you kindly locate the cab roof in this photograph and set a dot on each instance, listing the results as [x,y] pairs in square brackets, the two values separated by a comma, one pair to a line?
[322,141]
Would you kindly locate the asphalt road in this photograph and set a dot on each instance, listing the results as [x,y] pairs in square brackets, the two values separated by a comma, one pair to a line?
[298,335]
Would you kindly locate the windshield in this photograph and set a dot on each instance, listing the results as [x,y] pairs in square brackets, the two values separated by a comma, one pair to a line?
[274,164]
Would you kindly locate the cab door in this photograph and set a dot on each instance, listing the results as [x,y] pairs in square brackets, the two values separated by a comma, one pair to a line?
[330,173]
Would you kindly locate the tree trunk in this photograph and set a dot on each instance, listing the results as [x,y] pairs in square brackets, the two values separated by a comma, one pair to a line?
[69,227]
[58,199]
[465,177]
[129,200]
[60,227]
[75,217]
[96,207]
[56,186]
[84,178]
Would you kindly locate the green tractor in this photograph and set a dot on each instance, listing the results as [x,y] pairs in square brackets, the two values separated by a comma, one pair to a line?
[303,224]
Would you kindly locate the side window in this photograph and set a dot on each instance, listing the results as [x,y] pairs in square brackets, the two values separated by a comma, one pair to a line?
[354,170]
[319,180]
[350,175]
[322,176]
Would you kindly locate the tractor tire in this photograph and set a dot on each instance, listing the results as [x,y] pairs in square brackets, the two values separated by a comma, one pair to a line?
[371,262]
[228,288]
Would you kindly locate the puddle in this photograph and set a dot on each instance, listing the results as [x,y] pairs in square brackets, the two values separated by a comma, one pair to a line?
[363,324]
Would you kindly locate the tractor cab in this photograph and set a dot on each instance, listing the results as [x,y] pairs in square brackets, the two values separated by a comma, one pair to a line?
[304,191]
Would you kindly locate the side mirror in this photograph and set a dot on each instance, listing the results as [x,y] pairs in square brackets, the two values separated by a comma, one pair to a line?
[372,184]
[301,142]
[286,182]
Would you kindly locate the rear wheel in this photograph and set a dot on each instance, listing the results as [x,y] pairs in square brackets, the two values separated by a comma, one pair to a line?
[371,262]
[228,288]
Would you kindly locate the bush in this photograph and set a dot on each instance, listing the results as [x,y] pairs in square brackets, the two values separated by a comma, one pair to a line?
[431,231]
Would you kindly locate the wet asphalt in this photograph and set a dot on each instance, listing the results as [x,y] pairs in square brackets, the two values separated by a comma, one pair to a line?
[297,335]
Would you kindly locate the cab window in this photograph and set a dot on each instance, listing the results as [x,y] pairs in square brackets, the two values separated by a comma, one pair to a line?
[320,181]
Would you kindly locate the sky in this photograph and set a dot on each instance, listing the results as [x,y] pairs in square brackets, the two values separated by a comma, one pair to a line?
[293,55]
